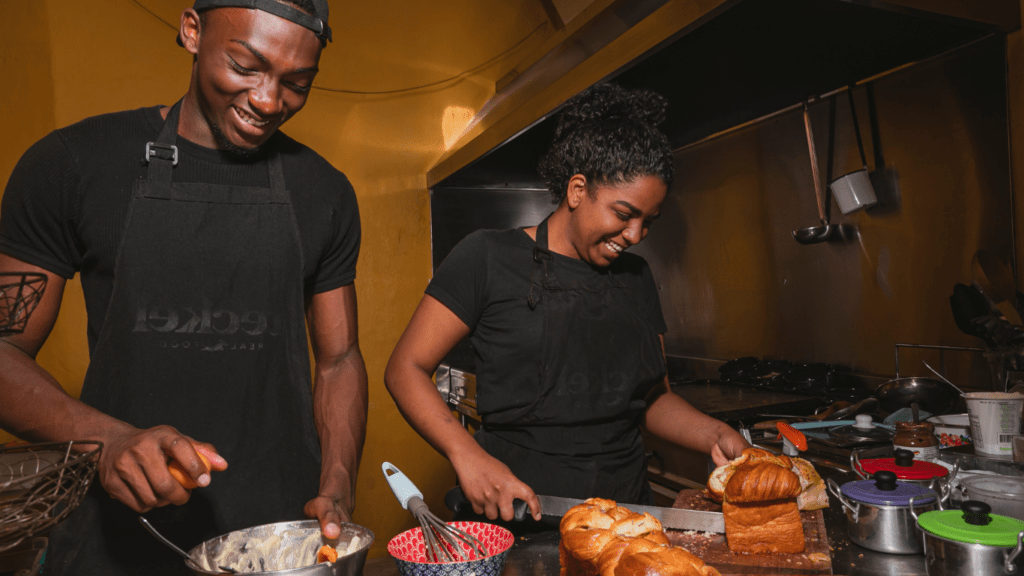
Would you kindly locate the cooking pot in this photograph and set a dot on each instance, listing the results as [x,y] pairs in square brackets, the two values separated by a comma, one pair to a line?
[285,539]
[1005,494]
[931,395]
[907,469]
[878,512]
[971,540]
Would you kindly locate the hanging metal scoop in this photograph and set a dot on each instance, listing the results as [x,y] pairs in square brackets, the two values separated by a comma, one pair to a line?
[814,234]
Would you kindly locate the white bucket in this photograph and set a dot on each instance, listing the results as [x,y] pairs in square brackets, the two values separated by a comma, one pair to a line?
[995,420]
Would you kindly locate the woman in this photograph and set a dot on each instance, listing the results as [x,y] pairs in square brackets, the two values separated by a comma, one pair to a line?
[566,327]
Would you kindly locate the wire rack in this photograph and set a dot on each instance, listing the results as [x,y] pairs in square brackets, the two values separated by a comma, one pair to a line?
[41,484]
[20,293]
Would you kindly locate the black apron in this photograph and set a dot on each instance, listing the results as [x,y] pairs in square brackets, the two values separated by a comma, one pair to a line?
[205,332]
[580,435]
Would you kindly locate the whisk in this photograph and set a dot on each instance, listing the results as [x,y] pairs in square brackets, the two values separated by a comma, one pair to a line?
[442,542]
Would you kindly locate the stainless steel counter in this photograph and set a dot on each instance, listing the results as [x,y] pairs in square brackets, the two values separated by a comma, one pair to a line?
[537,555]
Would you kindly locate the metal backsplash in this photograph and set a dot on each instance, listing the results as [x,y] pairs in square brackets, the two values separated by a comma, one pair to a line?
[735,283]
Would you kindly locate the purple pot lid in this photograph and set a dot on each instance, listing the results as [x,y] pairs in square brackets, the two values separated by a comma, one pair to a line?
[886,491]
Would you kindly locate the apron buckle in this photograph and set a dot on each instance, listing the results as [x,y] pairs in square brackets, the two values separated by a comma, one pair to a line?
[161,151]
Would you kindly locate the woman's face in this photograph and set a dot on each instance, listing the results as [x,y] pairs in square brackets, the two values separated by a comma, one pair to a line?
[605,220]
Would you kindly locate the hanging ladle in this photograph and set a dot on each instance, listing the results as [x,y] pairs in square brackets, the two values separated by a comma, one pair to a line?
[814,234]
[174,547]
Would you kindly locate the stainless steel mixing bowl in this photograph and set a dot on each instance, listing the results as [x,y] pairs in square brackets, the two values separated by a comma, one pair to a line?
[347,565]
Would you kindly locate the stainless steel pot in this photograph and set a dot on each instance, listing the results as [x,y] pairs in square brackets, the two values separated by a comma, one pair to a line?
[950,557]
[293,533]
[888,528]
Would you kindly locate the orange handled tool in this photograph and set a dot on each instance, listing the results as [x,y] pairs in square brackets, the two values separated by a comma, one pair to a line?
[794,436]
[179,473]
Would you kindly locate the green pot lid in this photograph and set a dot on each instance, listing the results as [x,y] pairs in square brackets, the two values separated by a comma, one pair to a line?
[973,524]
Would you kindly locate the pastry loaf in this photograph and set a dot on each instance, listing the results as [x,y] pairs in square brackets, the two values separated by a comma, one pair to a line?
[760,494]
[599,537]
[812,494]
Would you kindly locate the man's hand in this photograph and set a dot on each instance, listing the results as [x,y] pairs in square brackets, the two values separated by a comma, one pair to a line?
[330,512]
[490,487]
[133,466]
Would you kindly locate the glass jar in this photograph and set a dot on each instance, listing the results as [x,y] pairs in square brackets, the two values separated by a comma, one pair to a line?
[919,438]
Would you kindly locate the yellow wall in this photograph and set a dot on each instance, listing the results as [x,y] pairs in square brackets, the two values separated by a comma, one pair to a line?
[64,60]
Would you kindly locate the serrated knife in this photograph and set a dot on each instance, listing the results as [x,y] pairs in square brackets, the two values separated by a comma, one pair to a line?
[674,518]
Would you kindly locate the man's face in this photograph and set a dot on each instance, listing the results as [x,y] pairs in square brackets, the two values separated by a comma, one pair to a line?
[253,71]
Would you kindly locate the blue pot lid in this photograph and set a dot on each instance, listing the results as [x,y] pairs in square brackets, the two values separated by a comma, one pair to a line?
[868,492]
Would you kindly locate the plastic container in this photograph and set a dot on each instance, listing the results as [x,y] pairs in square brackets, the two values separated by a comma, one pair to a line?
[952,429]
[1005,494]
[995,420]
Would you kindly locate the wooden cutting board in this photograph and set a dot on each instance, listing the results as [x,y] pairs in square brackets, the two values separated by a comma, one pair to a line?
[713,549]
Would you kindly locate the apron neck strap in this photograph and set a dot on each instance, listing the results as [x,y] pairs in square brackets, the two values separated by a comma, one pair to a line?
[542,235]
[162,156]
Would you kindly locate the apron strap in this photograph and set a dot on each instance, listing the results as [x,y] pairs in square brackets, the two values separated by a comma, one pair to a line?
[541,258]
[162,157]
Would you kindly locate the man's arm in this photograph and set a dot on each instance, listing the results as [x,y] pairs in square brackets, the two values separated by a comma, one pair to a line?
[34,406]
[340,399]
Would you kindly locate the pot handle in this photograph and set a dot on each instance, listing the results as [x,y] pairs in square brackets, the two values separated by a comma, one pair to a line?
[855,464]
[834,489]
[1011,555]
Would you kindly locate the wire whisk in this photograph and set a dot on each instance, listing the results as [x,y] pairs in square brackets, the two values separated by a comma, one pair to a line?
[442,541]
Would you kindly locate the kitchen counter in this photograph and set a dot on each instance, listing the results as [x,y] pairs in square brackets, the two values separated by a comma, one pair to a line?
[537,555]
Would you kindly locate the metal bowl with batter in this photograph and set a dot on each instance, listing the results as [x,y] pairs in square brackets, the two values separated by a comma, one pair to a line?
[282,549]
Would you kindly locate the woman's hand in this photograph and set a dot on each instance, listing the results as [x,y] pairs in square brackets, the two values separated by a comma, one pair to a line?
[728,447]
[490,487]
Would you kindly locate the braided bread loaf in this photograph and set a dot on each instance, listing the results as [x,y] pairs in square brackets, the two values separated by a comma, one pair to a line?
[599,537]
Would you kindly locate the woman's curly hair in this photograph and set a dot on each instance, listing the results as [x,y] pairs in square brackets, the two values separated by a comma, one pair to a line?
[609,135]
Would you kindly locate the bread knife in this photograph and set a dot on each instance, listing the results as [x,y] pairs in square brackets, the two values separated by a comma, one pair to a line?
[674,518]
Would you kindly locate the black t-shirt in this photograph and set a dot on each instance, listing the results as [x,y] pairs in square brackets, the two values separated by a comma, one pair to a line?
[485,281]
[66,203]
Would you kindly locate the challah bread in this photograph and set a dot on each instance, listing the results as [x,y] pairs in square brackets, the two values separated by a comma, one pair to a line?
[599,535]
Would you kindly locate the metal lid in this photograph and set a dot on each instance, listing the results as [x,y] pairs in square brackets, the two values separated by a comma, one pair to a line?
[973,524]
[884,490]
[862,431]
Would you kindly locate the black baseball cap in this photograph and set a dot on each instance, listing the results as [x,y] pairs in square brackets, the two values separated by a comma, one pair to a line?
[317,22]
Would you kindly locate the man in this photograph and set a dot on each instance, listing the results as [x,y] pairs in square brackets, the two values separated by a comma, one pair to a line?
[207,243]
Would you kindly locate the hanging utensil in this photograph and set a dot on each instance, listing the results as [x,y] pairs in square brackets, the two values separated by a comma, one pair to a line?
[172,546]
[941,377]
[854,190]
[814,234]
[443,542]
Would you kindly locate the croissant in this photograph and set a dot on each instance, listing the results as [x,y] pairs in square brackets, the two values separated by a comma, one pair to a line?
[812,494]
[760,482]
[598,536]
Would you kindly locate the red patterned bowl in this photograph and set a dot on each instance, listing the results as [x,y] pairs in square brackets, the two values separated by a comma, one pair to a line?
[409,552]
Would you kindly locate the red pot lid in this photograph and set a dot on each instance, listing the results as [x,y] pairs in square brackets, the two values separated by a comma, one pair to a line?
[918,469]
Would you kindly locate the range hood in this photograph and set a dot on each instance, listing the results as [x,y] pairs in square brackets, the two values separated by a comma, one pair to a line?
[720,64]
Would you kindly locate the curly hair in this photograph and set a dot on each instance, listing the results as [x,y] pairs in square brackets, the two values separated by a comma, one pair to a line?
[610,135]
